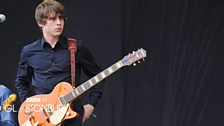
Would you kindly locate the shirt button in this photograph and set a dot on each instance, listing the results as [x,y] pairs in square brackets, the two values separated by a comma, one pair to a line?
[53,64]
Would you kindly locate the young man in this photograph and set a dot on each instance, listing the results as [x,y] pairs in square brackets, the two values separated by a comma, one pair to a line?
[46,62]
[7,117]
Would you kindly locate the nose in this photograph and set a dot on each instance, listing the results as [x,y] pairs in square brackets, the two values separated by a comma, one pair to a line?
[59,20]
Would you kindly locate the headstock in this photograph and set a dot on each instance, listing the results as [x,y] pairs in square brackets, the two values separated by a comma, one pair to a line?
[7,102]
[133,57]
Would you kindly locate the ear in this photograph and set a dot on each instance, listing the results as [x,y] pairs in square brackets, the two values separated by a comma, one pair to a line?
[40,24]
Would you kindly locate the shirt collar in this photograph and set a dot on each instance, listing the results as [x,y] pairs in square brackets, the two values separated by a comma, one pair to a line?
[63,41]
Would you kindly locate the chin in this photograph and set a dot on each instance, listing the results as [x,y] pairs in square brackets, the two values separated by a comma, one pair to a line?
[57,34]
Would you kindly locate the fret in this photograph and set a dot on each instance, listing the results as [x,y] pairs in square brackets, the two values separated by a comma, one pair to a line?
[114,67]
[76,92]
[100,77]
[73,94]
[103,75]
[86,85]
[119,64]
[93,81]
[66,98]
[83,88]
[96,79]
[90,82]
[106,72]
[79,90]
[110,70]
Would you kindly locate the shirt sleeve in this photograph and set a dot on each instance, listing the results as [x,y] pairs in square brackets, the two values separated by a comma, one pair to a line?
[23,78]
[90,68]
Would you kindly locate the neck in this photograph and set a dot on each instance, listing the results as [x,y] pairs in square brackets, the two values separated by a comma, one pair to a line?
[51,40]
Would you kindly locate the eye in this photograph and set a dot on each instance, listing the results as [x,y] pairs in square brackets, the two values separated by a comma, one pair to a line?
[52,18]
[61,17]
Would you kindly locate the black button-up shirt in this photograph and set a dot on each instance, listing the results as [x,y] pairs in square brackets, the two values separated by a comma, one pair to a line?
[44,67]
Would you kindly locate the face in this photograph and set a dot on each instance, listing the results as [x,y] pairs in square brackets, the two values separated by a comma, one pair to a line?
[53,27]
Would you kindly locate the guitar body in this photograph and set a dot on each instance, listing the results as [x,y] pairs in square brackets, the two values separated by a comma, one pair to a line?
[46,110]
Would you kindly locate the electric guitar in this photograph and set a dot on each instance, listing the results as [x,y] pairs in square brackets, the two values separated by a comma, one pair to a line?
[7,102]
[52,109]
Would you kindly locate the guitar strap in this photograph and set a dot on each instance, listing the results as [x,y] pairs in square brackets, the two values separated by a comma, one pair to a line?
[73,49]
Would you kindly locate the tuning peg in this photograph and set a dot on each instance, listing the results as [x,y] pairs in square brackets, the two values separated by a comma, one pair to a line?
[139,61]
[134,64]
[143,59]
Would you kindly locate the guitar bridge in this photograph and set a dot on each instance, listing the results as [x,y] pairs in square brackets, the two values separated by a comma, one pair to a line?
[45,115]
[28,122]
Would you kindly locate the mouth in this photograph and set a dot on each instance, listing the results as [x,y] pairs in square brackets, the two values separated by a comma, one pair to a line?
[58,29]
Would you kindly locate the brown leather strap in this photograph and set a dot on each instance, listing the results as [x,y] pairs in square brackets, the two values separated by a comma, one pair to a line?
[72,48]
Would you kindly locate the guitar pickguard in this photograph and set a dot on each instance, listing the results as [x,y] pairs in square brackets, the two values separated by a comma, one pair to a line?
[57,116]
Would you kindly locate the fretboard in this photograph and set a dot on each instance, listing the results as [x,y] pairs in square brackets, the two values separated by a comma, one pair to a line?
[92,82]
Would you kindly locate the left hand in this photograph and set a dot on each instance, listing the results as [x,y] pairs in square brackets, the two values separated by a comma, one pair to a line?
[88,110]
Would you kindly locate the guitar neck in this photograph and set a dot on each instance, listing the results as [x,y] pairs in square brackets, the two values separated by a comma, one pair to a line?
[92,82]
